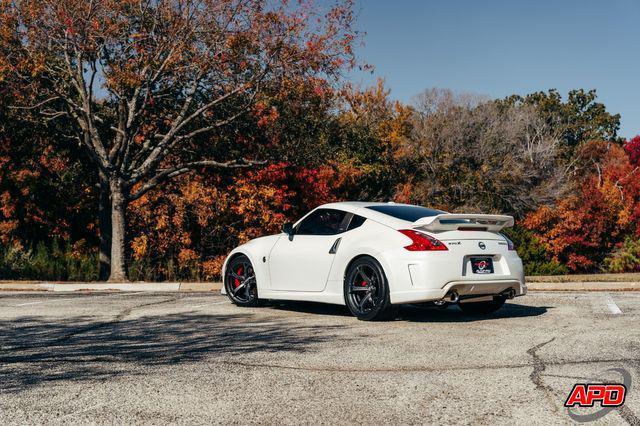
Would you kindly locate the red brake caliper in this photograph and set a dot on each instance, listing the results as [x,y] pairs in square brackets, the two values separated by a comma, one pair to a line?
[364,284]
[236,282]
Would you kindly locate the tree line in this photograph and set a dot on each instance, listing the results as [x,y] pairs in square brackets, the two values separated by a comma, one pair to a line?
[145,139]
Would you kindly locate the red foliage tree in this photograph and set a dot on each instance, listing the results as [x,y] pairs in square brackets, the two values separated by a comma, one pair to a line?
[197,219]
[581,229]
[143,82]
[633,150]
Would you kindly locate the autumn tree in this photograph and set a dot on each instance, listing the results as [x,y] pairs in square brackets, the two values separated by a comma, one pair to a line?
[632,147]
[575,120]
[36,168]
[473,154]
[369,134]
[148,84]
[582,229]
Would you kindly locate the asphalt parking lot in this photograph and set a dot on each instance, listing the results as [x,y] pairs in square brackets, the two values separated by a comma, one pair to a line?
[197,359]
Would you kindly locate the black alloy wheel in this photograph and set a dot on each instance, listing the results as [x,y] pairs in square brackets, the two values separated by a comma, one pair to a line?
[240,282]
[366,291]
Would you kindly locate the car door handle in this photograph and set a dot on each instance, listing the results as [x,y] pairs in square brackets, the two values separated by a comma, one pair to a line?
[334,247]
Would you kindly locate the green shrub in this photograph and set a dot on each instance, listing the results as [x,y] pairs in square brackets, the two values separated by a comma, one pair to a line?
[55,262]
[625,258]
[60,262]
[169,269]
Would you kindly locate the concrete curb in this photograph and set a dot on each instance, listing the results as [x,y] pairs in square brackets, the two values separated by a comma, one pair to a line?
[140,286]
[584,286]
[628,277]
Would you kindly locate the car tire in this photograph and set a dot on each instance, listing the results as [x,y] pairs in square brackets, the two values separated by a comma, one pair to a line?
[240,282]
[366,291]
[482,308]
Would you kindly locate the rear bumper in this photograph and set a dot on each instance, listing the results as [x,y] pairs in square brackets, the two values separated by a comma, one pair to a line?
[463,288]
[427,276]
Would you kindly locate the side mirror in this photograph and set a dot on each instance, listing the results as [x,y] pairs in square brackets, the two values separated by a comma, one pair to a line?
[287,228]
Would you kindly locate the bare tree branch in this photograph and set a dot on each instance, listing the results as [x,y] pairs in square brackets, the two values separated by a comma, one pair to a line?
[173,172]
[36,106]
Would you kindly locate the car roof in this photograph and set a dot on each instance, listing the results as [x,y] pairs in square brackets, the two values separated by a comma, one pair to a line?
[352,206]
[359,208]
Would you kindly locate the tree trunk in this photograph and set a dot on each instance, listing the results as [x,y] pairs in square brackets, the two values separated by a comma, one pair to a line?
[118,233]
[104,224]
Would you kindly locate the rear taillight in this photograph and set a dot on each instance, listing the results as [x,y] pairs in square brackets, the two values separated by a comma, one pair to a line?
[422,242]
[510,245]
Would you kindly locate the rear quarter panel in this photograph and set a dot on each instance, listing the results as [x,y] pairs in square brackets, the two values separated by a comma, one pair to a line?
[371,239]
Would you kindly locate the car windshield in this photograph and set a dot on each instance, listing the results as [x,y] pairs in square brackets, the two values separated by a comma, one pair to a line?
[409,213]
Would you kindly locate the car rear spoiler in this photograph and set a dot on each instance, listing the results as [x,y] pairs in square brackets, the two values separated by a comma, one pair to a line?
[471,222]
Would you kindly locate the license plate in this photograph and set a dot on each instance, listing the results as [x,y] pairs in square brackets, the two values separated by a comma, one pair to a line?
[482,265]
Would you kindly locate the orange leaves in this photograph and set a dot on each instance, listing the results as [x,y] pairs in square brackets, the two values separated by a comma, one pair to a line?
[8,223]
[266,115]
[197,219]
[212,268]
[267,198]
[174,223]
[580,230]
[372,107]
[403,193]
[140,247]
[187,255]
[7,228]
[540,219]
[7,207]
[261,199]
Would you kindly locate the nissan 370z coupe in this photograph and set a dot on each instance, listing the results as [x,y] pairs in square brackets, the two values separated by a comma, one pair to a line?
[375,256]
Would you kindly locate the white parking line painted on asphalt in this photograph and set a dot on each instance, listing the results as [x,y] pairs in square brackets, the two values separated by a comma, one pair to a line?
[212,303]
[44,301]
[126,293]
[260,324]
[615,310]
[54,300]
[30,303]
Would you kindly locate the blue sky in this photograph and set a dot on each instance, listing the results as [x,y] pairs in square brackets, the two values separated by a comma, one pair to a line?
[501,47]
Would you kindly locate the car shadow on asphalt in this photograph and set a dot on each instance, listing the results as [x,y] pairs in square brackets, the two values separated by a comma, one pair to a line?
[37,350]
[309,308]
[430,313]
[416,313]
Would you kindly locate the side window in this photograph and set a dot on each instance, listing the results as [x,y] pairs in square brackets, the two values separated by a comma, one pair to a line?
[322,222]
[356,221]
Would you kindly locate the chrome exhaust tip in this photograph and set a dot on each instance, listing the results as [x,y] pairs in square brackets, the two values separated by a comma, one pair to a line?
[451,297]
[509,294]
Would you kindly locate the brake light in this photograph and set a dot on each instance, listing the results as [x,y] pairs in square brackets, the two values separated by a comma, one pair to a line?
[510,245]
[422,242]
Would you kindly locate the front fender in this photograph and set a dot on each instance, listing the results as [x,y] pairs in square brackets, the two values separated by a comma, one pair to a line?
[257,251]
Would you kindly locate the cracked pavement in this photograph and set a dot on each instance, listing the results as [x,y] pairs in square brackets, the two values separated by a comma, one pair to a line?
[194,358]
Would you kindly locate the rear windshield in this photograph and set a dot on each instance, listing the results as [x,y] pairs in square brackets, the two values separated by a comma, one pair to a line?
[409,213]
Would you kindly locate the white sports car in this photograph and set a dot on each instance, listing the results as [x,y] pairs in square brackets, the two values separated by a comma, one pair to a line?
[375,256]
